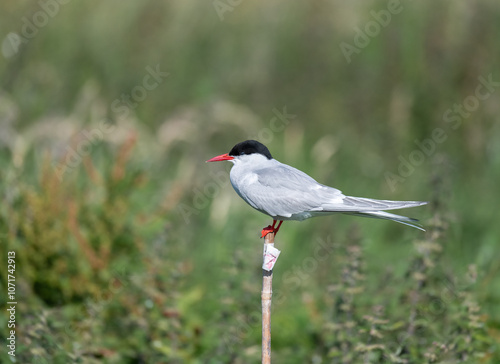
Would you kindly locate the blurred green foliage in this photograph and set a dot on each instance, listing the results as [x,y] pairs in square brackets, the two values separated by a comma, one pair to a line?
[130,249]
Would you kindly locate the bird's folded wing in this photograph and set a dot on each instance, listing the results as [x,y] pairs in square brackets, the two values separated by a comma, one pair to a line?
[369,204]
[282,190]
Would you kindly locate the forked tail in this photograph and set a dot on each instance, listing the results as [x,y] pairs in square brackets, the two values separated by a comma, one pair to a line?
[388,216]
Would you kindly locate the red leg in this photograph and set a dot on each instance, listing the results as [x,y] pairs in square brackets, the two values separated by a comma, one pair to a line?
[271,229]
[279,225]
[268,229]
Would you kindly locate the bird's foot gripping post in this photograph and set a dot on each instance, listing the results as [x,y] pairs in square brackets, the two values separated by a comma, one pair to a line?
[267,230]
[270,256]
[271,229]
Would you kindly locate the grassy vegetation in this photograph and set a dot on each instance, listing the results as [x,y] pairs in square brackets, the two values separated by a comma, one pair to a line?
[130,249]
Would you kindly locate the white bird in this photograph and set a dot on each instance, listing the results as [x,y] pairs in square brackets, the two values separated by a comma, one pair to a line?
[286,193]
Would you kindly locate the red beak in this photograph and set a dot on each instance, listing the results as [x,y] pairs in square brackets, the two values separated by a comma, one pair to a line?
[222,157]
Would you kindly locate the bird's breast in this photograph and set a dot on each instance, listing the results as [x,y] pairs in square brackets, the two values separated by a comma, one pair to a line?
[241,181]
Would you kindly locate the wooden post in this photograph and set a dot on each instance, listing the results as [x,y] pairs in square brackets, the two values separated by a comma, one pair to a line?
[267,293]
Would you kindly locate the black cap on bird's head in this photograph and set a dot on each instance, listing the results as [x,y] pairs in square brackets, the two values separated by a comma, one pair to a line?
[244,148]
[250,147]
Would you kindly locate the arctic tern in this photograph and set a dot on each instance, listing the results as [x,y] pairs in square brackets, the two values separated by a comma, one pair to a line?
[286,193]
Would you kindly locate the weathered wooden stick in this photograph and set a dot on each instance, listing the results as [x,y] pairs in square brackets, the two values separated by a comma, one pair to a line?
[267,293]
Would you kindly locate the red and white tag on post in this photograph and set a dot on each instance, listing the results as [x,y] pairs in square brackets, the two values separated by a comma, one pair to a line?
[271,255]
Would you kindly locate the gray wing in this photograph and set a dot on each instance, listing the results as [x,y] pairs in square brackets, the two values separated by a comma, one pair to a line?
[284,191]
[350,203]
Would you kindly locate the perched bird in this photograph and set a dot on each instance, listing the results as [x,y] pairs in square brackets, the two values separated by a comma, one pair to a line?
[286,193]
